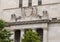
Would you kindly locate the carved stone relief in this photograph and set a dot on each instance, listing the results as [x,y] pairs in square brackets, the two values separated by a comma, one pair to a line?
[30,12]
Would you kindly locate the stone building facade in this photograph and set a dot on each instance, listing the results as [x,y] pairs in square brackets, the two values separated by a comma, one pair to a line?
[42,16]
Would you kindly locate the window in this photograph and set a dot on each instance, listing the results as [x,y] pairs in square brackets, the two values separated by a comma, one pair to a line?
[20,3]
[39,2]
[17,35]
[30,3]
[40,33]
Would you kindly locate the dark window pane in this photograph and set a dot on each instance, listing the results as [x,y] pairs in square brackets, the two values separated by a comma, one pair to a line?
[30,3]
[17,36]
[40,33]
[20,3]
[39,2]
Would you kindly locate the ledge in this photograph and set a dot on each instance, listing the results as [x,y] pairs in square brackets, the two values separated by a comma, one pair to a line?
[31,22]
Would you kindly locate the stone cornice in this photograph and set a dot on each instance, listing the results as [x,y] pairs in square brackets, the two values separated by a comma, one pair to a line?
[31,22]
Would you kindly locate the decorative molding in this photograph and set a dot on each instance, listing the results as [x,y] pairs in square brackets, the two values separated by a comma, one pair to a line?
[28,12]
[32,22]
[14,17]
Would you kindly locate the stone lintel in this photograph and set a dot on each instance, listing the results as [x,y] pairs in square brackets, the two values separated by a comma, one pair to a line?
[31,22]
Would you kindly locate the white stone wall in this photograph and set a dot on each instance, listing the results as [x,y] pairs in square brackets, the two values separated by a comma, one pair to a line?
[50,1]
[6,15]
[6,4]
[9,4]
[54,32]
[15,3]
[53,10]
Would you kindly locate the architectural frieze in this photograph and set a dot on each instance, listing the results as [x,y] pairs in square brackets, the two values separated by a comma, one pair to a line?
[31,22]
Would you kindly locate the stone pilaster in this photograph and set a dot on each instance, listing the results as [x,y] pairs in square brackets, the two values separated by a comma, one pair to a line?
[45,35]
[21,35]
[12,36]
